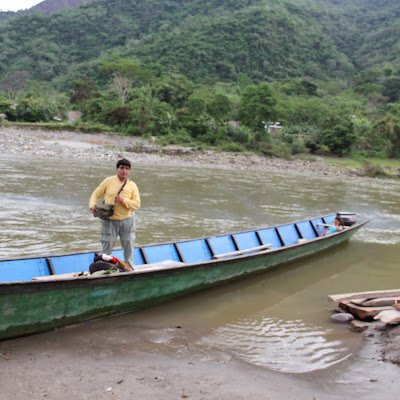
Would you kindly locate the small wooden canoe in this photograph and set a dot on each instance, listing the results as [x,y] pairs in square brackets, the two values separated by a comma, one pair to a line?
[42,293]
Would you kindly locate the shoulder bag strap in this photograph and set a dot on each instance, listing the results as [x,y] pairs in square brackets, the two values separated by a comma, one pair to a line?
[120,190]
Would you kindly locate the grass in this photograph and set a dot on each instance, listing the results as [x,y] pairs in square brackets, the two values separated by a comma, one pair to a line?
[58,126]
[373,167]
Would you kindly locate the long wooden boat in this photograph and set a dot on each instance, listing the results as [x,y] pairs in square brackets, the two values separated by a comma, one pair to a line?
[43,293]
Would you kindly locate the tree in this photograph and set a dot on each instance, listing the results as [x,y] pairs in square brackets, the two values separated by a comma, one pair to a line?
[391,88]
[126,73]
[389,128]
[83,90]
[257,106]
[219,107]
[174,89]
[338,133]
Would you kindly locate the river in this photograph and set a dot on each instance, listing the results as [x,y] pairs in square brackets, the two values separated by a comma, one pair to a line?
[277,320]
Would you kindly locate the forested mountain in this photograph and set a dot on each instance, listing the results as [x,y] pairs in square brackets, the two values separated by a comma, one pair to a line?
[52,6]
[206,40]
[367,31]
[44,7]
[5,15]
[182,70]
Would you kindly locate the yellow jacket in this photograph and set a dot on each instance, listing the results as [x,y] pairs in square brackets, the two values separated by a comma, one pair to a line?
[109,188]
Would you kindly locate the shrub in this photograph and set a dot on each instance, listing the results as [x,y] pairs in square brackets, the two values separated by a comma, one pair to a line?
[236,134]
[5,105]
[298,147]
[179,137]
[35,110]
[231,146]
[374,171]
[273,149]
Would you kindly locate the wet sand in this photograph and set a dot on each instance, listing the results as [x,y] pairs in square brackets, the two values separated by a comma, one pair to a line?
[95,361]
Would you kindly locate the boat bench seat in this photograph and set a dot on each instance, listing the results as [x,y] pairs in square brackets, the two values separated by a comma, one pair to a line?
[158,266]
[251,250]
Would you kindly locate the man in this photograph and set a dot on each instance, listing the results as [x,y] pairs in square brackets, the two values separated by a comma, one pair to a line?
[126,202]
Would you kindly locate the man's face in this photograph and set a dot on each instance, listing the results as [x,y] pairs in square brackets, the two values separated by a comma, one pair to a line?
[123,172]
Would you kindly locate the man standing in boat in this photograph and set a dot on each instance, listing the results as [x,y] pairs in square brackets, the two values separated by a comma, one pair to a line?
[123,193]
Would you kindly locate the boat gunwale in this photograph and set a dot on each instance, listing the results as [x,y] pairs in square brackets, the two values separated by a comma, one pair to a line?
[257,228]
[137,273]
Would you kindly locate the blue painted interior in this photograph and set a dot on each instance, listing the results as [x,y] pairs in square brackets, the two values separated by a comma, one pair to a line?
[246,240]
[195,251]
[269,236]
[161,252]
[23,270]
[118,253]
[306,230]
[137,257]
[222,244]
[72,263]
[329,218]
[319,228]
[288,234]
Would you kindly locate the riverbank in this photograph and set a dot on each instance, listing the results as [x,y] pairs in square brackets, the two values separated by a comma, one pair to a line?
[117,358]
[100,146]
[114,358]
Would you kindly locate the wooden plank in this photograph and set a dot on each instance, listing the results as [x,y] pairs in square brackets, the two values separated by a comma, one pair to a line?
[258,237]
[235,243]
[379,302]
[51,266]
[239,252]
[366,295]
[144,256]
[298,231]
[181,256]
[360,312]
[60,277]
[209,247]
[314,229]
[280,237]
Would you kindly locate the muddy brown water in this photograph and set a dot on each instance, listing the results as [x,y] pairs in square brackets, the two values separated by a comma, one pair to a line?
[277,320]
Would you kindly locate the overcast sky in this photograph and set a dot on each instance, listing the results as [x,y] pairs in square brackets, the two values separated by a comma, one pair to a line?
[15,5]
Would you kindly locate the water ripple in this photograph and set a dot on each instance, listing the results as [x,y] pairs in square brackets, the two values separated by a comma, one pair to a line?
[287,346]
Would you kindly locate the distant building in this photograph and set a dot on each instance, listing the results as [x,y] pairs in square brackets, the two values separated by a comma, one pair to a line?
[73,116]
[272,127]
[234,124]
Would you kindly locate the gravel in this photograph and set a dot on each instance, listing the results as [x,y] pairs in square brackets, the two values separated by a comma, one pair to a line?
[110,146]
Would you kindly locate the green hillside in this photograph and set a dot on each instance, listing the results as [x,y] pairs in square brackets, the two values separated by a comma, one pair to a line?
[367,31]
[263,42]
[207,40]
[263,39]
[328,70]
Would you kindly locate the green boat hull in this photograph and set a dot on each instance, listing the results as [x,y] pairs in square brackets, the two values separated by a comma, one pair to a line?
[34,306]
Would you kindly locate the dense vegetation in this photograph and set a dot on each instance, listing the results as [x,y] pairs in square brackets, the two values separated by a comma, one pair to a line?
[214,72]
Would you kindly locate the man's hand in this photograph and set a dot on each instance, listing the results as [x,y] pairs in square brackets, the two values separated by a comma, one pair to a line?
[119,199]
[93,211]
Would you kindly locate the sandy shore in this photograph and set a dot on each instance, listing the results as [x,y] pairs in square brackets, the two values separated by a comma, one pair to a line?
[71,364]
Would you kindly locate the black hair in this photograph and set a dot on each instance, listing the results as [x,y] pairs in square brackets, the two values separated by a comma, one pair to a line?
[125,162]
[339,219]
